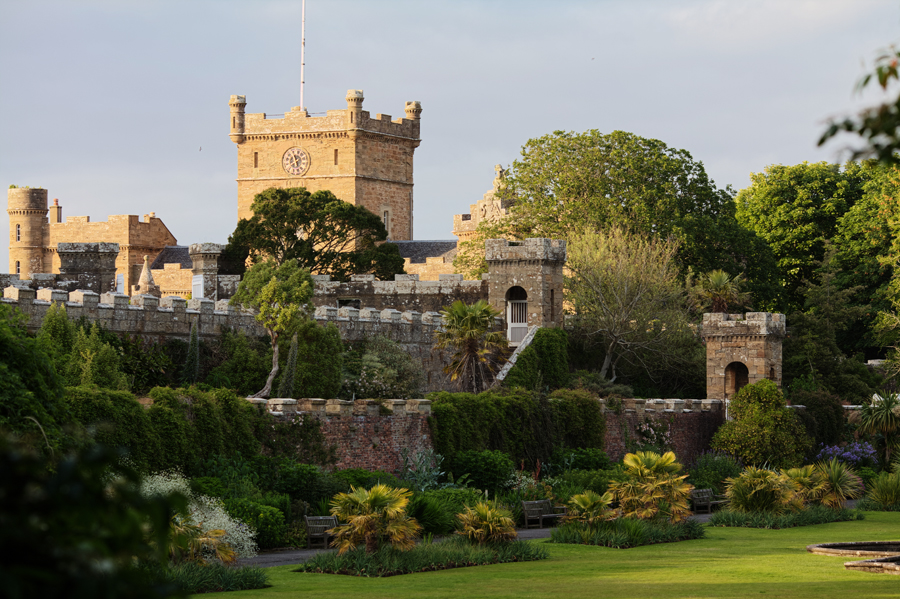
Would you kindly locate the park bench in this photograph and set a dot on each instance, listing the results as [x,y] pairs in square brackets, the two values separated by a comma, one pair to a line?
[705,499]
[536,512]
[317,528]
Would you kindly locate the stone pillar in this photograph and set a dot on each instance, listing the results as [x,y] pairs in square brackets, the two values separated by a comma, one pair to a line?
[205,257]
[93,265]
[741,349]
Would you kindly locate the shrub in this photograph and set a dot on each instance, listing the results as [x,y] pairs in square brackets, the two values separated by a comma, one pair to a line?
[268,522]
[653,489]
[764,430]
[380,369]
[360,477]
[758,490]
[431,514]
[884,493]
[858,454]
[193,578]
[582,458]
[624,533]
[711,469]
[579,423]
[423,470]
[455,552]
[597,481]
[319,361]
[592,381]
[839,483]
[374,517]
[823,417]
[544,363]
[814,514]
[209,485]
[489,470]
[246,366]
[485,524]
[590,509]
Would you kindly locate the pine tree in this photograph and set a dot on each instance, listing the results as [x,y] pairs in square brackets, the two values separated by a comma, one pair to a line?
[286,387]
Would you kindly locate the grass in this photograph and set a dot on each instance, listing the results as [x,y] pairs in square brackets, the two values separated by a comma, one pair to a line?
[729,562]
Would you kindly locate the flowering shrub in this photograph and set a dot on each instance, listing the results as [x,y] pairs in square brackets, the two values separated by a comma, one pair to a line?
[859,454]
[206,512]
[653,435]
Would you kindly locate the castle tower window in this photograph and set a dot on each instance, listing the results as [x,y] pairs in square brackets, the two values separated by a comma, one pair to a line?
[18,232]
[18,268]
[351,117]
[232,122]
[255,159]
[335,157]
[516,315]
[552,306]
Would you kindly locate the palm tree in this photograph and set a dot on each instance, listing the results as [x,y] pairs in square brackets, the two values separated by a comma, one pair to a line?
[882,416]
[722,290]
[467,330]
[654,489]
[373,516]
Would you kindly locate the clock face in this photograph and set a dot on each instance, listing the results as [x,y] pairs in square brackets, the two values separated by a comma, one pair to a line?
[295,161]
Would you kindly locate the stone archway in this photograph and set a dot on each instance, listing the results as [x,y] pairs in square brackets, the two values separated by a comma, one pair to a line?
[737,375]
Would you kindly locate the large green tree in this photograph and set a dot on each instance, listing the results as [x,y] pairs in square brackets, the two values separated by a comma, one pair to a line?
[566,183]
[280,294]
[323,234]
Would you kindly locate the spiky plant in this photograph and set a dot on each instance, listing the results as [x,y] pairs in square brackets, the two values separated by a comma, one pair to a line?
[882,417]
[840,483]
[590,508]
[467,331]
[485,523]
[373,516]
[653,488]
[810,483]
[884,489]
[760,490]
[190,543]
[646,463]
[721,290]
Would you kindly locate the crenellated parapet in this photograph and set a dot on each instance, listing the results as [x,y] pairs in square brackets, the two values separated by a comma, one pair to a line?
[405,292]
[323,408]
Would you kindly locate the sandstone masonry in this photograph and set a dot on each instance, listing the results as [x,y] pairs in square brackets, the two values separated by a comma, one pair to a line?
[741,349]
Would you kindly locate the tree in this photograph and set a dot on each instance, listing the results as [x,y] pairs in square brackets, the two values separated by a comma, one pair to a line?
[192,363]
[286,385]
[566,183]
[280,294]
[881,416]
[374,516]
[323,234]
[478,349]
[796,209]
[879,125]
[626,293]
[719,291]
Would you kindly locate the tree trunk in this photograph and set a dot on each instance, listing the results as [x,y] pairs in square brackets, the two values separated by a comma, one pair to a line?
[267,390]
[607,360]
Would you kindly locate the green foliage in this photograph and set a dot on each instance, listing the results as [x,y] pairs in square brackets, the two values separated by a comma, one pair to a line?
[379,368]
[477,349]
[544,363]
[431,514]
[883,493]
[763,429]
[592,381]
[487,524]
[360,477]
[711,469]
[590,509]
[211,486]
[760,490]
[624,533]
[191,577]
[814,514]
[487,469]
[597,481]
[653,490]
[79,527]
[318,232]
[295,436]
[286,385]
[451,553]
[374,517]
[245,368]
[267,521]
[516,421]
[191,371]
[31,392]
[319,361]
[823,417]
[881,416]
[581,458]
[839,483]
[717,291]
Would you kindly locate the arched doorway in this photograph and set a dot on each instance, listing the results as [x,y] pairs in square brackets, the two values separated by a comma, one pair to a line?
[516,314]
[736,376]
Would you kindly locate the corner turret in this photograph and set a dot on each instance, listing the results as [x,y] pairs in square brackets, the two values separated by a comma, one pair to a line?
[237,104]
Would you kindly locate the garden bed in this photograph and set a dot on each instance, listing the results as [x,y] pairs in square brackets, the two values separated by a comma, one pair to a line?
[816,514]
[624,533]
[456,552]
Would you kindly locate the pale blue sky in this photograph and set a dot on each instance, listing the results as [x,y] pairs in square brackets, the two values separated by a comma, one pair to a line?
[107,103]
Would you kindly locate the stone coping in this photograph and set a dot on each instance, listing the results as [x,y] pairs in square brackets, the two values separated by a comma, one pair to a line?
[884,556]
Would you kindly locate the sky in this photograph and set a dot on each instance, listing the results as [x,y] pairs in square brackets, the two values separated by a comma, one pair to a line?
[121,107]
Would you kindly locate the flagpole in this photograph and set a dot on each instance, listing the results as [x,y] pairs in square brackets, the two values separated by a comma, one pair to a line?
[302,52]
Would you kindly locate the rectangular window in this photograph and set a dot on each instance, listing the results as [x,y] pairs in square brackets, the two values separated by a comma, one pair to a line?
[18,232]
[255,159]
[18,269]
[335,157]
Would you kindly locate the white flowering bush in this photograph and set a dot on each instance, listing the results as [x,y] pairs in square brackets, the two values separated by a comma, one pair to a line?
[206,512]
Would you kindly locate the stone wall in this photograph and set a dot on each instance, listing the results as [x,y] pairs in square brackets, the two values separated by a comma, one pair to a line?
[406,292]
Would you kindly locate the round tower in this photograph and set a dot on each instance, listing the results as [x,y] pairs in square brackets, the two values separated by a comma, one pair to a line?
[237,104]
[355,99]
[27,209]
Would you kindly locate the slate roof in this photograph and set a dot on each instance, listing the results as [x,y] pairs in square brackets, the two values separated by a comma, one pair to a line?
[417,251]
[173,254]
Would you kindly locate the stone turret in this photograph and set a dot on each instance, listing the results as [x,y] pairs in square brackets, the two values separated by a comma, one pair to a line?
[27,209]
[741,349]
[237,104]
[93,265]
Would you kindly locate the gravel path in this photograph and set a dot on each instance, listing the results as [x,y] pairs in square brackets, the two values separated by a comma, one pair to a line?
[290,557]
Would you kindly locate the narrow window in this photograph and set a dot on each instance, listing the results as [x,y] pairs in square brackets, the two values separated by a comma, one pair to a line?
[552,307]
[255,159]
[18,270]
[351,117]
[386,218]
[335,157]
[232,122]
[18,232]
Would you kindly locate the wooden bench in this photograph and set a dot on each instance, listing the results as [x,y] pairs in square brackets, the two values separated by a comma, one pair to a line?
[536,512]
[317,528]
[705,499]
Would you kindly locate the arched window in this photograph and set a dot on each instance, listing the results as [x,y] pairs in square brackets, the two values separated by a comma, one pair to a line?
[18,232]
[737,375]
[516,314]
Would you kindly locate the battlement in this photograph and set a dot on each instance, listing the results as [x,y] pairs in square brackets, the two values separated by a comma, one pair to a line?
[322,408]
[743,325]
[26,198]
[405,292]
[501,250]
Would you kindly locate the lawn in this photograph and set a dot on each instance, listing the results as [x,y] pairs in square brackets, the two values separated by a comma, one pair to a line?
[730,562]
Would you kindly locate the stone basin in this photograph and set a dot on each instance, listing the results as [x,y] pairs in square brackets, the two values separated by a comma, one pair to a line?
[883,557]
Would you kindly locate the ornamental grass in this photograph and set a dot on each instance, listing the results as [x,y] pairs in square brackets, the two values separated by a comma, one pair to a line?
[624,533]
[814,514]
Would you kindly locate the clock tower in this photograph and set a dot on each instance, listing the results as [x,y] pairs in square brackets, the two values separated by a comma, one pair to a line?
[362,160]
